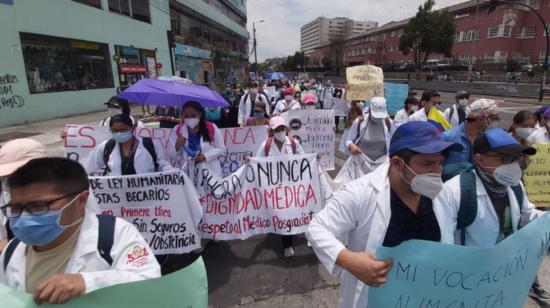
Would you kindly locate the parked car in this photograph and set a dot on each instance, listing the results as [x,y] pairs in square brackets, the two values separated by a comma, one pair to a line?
[526,67]
[406,67]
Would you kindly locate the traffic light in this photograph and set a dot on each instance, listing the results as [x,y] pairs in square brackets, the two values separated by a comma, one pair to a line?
[493,5]
[171,39]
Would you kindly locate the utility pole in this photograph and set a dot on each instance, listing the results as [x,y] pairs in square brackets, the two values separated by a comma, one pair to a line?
[255,44]
[473,50]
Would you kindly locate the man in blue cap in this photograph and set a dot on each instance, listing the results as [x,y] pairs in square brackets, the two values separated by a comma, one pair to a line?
[502,205]
[386,207]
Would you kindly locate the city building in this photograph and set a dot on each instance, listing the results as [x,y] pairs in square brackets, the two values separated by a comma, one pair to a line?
[323,30]
[211,40]
[53,67]
[489,40]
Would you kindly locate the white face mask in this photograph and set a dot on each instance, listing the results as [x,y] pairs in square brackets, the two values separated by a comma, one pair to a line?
[525,132]
[414,108]
[463,102]
[279,136]
[508,175]
[361,105]
[310,107]
[114,111]
[427,184]
[192,122]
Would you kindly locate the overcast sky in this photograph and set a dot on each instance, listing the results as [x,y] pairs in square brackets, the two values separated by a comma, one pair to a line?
[279,35]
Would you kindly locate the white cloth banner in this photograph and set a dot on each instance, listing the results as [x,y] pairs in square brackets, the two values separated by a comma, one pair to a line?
[314,129]
[164,207]
[239,143]
[269,195]
[341,107]
[355,167]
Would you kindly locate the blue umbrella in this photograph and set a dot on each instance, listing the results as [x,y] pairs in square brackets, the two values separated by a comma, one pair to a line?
[171,93]
[277,76]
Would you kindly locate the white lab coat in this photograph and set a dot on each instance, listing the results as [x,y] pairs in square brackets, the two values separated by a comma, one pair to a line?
[282,105]
[483,232]
[211,151]
[540,136]
[364,218]
[143,161]
[87,262]
[246,106]
[421,115]
[454,120]
[286,149]
[401,117]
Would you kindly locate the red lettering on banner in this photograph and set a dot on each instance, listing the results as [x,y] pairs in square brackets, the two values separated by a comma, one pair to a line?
[237,137]
[68,135]
[81,133]
[157,134]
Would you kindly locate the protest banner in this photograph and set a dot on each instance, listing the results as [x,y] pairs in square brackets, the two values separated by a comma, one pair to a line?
[536,177]
[268,195]
[352,169]
[164,208]
[239,143]
[271,92]
[314,130]
[430,274]
[364,82]
[187,287]
[80,140]
[341,107]
[395,94]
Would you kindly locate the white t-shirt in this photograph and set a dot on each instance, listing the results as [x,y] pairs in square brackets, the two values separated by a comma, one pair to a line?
[540,136]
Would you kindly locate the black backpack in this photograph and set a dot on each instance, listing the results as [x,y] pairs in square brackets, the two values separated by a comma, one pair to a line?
[105,240]
[467,211]
[147,144]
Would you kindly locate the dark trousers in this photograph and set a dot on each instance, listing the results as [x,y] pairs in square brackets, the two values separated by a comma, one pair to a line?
[287,240]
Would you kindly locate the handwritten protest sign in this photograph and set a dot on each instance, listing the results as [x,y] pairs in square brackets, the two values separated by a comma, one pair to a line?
[164,208]
[271,92]
[187,287]
[314,129]
[429,274]
[80,140]
[536,177]
[364,82]
[268,195]
[341,107]
[395,94]
[239,143]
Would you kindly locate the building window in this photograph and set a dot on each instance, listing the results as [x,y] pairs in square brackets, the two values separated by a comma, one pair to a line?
[55,64]
[136,9]
[526,32]
[506,31]
[493,32]
[94,3]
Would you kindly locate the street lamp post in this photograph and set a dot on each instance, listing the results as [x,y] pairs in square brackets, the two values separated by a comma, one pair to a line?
[493,5]
[255,44]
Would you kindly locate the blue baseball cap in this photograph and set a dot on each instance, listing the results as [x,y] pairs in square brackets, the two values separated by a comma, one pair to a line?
[420,137]
[499,141]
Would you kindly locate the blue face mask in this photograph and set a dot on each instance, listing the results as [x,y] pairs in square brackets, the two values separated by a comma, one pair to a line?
[122,137]
[259,115]
[42,229]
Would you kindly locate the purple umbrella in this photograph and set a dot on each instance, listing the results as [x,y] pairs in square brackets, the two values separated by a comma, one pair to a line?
[171,93]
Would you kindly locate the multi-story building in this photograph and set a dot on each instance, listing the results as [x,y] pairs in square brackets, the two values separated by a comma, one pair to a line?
[489,40]
[323,30]
[53,67]
[211,40]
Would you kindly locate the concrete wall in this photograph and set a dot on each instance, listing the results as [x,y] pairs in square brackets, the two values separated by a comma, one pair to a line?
[492,89]
[68,19]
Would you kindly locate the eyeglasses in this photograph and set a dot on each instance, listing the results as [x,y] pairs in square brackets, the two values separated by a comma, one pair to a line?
[507,159]
[14,210]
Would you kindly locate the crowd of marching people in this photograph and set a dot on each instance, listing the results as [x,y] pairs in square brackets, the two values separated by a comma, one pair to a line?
[417,164]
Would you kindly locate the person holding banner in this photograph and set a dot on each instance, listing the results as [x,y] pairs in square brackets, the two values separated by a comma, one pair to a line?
[402,116]
[309,101]
[541,135]
[260,116]
[370,134]
[246,105]
[288,103]
[61,248]
[276,145]
[523,126]
[499,203]
[391,205]
[196,141]
[124,153]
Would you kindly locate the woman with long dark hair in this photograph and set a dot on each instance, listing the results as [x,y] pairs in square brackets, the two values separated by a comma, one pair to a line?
[195,141]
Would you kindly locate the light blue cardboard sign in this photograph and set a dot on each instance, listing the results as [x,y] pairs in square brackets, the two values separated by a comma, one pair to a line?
[428,274]
[395,94]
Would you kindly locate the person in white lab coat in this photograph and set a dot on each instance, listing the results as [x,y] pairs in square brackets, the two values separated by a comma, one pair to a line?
[246,104]
[502,204]
[456,114]
[541,135]
[370,134]
[276,145]
[430,99]
[126,154]
[55,254]
[14,154]
[384,208]
[402,116]
[289,103]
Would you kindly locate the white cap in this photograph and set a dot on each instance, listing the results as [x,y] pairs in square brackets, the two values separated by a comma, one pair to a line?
[378,108]
[17,152]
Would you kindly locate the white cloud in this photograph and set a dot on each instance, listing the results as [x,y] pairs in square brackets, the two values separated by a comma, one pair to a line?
[279,34]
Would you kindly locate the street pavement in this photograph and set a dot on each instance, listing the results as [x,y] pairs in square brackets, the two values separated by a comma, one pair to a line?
[254,273]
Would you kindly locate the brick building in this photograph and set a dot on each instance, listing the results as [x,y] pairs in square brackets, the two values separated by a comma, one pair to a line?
[510,32]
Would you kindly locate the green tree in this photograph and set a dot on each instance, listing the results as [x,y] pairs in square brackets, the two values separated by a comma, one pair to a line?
[428,32]
[295,62]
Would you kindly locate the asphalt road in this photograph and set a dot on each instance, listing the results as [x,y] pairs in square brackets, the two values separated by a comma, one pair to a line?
[254,273]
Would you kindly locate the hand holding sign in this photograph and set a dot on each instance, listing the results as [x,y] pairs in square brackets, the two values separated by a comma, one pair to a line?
[58,289]
[365,267]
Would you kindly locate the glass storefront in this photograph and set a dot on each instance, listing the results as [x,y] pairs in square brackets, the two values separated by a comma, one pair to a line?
[55,64]
[135,64]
